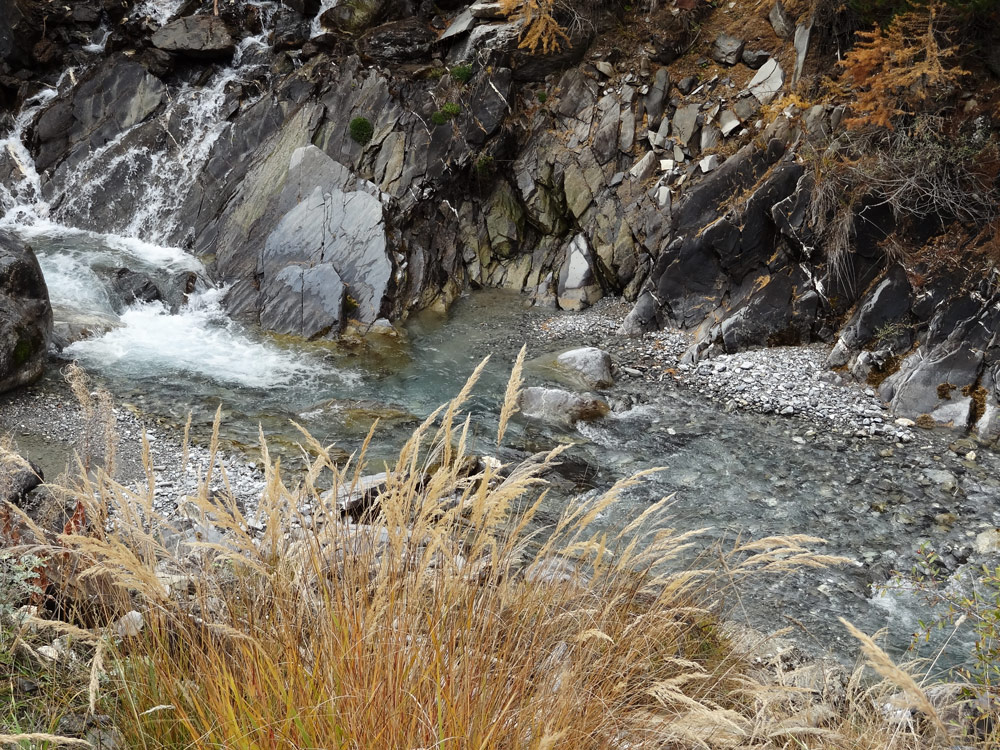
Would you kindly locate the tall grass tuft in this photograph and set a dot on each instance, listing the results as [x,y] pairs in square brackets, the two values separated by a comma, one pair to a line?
[449,618]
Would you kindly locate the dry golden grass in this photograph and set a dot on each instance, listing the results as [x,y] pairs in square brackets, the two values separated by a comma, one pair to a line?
[451,619]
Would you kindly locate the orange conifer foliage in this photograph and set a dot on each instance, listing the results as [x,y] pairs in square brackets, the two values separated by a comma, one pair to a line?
[539,29]
[897,70]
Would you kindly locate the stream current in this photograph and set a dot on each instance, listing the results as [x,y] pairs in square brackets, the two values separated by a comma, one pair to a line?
[742,475]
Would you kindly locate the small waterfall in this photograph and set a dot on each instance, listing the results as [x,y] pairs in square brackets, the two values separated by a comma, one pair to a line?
[160,11]
[324,6]
[22,199]
[100,42]
[147,170]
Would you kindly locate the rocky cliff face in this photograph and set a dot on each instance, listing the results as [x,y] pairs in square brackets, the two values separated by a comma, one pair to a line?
[686,184]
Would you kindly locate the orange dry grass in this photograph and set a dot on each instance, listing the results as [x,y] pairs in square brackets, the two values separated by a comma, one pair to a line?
[448,621]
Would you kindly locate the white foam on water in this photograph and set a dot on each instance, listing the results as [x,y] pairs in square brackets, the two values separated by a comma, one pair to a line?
[316,29]
[159,11]
[73,285]
[107,249]
[100,42]
[199,341]
[23,198]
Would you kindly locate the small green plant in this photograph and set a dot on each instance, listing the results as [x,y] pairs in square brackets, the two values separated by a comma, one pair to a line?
[361,130]
[447,112]
[485,166]
[970,598]
[18,581]
[542,97]
[890,330]
[462,73]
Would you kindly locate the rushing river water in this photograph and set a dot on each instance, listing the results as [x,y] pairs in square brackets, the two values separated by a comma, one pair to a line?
[742,475]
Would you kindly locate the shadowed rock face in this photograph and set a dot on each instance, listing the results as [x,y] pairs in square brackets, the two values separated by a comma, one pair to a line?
[25,314]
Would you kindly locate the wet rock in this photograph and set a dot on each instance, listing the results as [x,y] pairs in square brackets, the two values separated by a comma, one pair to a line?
[404,41]
[195,36]
[589,364]
[25,314]
[289,30]
[727,50]
[560,407]
[686,84]
[134,286]
[116,96]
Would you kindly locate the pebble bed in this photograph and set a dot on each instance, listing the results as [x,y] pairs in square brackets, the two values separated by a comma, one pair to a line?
[48,412]
[786,381]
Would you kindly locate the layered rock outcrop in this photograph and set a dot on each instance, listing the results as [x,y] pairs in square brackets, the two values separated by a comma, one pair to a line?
[476,164]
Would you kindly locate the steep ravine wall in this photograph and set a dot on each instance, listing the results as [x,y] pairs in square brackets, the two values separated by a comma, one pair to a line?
[602,169]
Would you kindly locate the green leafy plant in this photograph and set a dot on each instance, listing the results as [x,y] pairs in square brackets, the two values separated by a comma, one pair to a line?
[361,130]
[18,581]
[542,97]
[970,598]
[485,166]
[447,112]
[462,73]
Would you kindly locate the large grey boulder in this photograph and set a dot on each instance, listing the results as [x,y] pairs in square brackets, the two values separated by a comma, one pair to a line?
[560,407]
[590,365]
[195,36]
[329,226]
[25,314]
[306,301]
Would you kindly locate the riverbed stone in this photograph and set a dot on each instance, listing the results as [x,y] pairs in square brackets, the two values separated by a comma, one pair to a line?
[560,407]
[25,314]
[590,365]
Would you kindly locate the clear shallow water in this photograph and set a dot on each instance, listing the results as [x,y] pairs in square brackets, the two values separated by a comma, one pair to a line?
[742,475]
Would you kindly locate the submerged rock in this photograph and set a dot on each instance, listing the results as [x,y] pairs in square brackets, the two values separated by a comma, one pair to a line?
[559,406]
[25,314]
